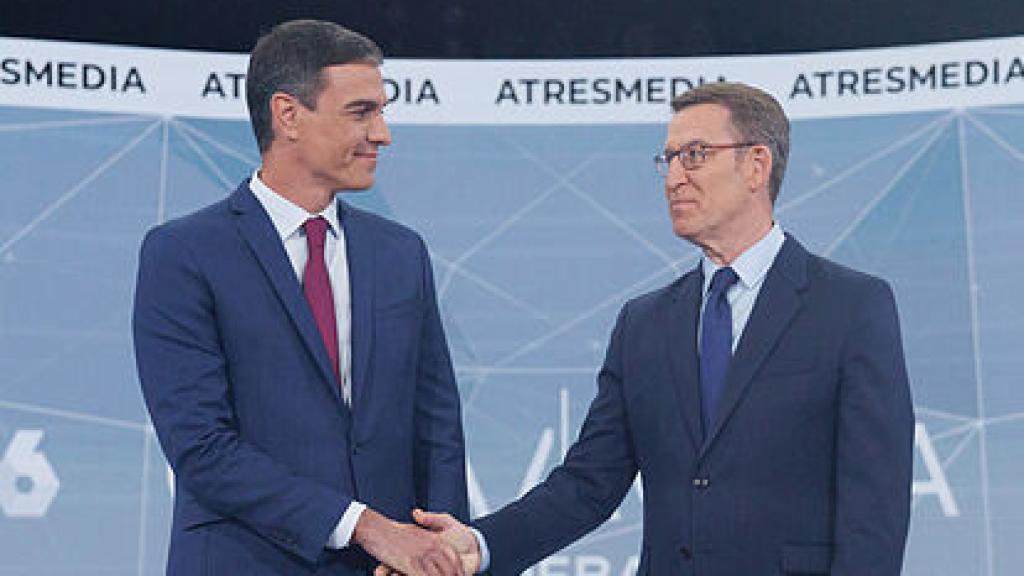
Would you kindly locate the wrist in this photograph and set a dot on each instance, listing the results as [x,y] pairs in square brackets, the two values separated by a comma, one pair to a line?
[370,529]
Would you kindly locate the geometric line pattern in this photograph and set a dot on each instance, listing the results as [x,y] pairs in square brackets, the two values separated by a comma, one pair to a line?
[538,235]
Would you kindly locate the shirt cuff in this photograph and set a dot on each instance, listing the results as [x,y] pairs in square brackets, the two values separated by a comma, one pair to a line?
[485,554]
[342,534]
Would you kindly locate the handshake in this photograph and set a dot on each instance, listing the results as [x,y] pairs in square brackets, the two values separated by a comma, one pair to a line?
[439,546]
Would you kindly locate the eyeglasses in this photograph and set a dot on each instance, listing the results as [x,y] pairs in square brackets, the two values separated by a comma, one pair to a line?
[693,155]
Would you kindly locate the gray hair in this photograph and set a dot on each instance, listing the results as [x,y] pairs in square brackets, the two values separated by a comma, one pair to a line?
[754,114]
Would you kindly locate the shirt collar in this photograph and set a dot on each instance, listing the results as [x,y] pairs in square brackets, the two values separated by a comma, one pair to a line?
[752,265]
[287,216]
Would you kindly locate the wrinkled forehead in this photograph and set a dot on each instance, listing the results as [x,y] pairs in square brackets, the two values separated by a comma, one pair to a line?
[707,123]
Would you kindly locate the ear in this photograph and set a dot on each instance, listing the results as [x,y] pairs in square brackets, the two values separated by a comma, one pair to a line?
[759,167]
[284,115]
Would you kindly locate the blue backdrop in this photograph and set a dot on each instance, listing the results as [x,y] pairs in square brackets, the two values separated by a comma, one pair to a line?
[538,235]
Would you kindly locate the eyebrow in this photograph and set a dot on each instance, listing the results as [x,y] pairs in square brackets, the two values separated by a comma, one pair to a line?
[697,142]
[363,105]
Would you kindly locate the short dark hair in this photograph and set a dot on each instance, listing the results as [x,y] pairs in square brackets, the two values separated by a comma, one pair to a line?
[755,115]
[290,58]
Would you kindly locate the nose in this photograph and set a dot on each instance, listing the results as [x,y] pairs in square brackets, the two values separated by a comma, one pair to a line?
[676,175]
[379,133]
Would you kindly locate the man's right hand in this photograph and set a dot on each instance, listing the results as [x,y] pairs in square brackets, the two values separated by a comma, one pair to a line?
[406,548]
[456,535]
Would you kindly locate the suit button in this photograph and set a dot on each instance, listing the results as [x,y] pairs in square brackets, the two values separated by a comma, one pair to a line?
[701,482]
[685,552]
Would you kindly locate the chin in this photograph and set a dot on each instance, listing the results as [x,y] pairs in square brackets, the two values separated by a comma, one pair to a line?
[366,180]
[682,229]
[689,233]
[356,184]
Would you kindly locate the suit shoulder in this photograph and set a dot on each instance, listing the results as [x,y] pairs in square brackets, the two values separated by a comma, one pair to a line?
[382,227]
[206,219]
[845,281]
[823,267]
[654,301]
[388,236]
[188,234]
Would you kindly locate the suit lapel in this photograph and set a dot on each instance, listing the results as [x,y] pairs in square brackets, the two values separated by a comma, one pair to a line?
[774,309]
[359,248]
[258,231]
[681,328]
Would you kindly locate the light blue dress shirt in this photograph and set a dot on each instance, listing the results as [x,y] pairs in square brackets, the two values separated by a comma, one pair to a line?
[751,266]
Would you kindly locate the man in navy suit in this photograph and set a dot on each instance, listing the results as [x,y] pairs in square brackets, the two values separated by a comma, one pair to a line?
[289,346]
[763,396]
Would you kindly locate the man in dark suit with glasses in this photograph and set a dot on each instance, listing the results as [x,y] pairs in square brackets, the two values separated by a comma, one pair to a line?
[763,396]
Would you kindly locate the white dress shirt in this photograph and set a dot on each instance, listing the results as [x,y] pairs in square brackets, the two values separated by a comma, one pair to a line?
[288,219]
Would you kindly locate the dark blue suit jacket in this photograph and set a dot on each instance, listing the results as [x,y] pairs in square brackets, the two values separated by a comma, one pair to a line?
[807,470]
[243,398]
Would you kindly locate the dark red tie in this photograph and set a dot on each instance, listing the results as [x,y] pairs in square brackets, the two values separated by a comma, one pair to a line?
[316,284]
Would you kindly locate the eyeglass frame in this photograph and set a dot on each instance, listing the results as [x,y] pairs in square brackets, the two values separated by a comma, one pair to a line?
[693,151]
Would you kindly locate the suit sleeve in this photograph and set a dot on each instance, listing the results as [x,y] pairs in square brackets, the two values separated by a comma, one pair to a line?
[187,389]
[440,473]
[579,494]
[874,445]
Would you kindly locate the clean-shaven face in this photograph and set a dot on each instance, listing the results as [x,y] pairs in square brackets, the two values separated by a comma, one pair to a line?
[339,140]
[707,202]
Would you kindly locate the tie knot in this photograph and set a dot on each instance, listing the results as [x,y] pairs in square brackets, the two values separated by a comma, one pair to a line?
[722,280]
[316,230]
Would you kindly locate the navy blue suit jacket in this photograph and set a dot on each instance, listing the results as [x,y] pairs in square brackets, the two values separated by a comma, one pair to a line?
[807,469]
[266,454]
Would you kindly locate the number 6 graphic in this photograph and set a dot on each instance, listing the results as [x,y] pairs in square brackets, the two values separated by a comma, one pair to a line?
[22,461]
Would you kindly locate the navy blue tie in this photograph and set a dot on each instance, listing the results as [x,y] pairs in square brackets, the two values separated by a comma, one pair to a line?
[715,345]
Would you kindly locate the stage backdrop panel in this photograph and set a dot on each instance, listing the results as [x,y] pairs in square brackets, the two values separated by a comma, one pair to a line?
[543,217]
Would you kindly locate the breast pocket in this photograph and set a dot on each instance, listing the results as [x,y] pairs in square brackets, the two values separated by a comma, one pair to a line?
[397,332]
[787,368]
[399,308]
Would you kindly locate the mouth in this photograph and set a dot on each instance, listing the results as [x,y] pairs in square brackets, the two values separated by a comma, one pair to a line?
[366,155]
